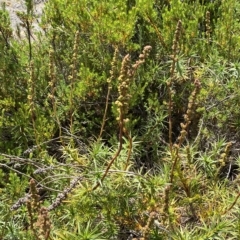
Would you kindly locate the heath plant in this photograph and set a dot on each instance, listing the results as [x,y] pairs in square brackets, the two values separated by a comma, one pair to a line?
[120,121]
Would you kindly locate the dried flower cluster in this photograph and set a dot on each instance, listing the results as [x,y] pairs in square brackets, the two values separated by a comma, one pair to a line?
[224,156]
[113,71]
[31,88]
[126,75]
[208,27]
[52,75]
[189,114]
[175,46]
[123,87]
[73,66]
[33,204]
[142,57]
[113,75]
[147,227]
[43,224]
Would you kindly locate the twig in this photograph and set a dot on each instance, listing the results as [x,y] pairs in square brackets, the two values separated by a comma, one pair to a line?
[235,201]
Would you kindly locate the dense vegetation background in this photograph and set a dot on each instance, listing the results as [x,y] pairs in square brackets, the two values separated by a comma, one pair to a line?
[120,120]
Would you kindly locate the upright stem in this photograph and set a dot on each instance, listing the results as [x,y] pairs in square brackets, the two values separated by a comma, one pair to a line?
[170,82]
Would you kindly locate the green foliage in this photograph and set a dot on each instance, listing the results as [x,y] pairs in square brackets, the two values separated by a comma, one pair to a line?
[120,120]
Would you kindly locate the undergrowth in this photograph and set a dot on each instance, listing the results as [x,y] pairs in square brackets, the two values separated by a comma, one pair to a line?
[120,120]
